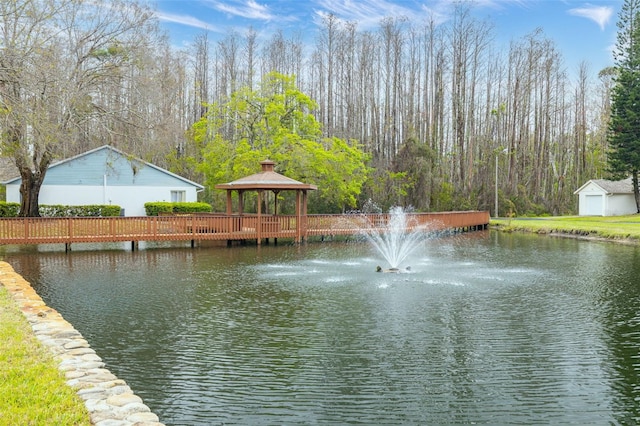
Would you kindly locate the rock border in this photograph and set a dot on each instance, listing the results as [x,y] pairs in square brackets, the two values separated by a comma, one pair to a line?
[109,400]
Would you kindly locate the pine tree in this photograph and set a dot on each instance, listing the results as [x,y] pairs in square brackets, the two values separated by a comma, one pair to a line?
[624,125]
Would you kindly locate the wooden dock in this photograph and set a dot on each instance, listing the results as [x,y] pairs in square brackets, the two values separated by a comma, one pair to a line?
[201,227]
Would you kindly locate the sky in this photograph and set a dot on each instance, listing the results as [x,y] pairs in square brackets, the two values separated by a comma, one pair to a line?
[581,30]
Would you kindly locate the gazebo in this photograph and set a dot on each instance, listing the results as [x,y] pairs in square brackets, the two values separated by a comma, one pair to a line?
[269,180]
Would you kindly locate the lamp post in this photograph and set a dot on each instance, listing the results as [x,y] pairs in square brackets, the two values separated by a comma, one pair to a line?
[495,212]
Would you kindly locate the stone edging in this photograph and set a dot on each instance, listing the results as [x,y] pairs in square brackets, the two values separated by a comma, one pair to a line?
[109,400]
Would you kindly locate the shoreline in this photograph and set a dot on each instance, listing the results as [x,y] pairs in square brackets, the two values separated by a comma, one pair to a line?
[624,230]
[108,400]
[624,241]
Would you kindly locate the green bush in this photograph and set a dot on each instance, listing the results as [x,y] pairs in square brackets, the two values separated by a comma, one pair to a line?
[94,210]
[191,208]
[156,207]
[9,209]
[54,210]
[98,210]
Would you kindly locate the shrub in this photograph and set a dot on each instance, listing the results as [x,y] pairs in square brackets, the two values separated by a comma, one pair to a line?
[97,210]
[9,209]
[191,208]
[93,210]
[157,207]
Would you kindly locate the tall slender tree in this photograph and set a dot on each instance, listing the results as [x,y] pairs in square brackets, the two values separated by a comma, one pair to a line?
[624,136]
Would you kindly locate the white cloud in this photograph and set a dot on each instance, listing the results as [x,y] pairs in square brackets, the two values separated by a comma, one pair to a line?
[249,9]
[366,13]
[187,20]
[601,15]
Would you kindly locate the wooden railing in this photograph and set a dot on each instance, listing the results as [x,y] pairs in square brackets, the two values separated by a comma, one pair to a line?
[352,224]
[214,227]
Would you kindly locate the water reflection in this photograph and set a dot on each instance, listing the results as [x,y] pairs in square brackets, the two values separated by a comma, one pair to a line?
[487,328]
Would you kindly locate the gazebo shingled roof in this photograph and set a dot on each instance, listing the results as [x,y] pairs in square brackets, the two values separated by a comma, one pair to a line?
[267,179]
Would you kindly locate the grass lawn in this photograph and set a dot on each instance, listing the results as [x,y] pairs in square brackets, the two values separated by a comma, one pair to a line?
[612,227]
[32,389]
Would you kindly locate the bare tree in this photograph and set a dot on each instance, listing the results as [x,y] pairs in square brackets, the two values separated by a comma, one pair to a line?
[58,57]
[580,133]
[250,47]
[228,53]
[201,57]
[326,53]
[393,41]
[283,55]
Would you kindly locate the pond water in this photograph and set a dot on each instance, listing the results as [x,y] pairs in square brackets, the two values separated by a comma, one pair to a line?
[486,328]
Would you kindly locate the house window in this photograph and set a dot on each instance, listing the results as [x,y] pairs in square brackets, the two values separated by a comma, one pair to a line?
[178,196]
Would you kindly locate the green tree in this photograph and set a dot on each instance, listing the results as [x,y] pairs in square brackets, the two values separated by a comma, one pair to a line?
[385,188]
[275,121]
[624,126]
[415,160]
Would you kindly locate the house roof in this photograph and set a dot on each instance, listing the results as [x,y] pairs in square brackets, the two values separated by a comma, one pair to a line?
[121,154]
[610,186]
[267,179]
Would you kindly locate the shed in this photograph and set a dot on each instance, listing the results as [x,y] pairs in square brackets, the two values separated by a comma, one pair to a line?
[601,197]
[107,175]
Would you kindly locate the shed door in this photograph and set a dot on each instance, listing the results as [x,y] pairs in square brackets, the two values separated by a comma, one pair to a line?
[593,205]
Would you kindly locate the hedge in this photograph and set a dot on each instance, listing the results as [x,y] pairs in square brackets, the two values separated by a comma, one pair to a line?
[9,209]
[93,210]
[156,207]
[97,210]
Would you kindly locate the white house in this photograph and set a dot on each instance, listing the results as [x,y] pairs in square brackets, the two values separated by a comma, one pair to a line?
[601,197]
[107,175]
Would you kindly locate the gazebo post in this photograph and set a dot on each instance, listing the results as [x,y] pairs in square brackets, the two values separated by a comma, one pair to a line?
[276,222]
[304,215]
[229,217]
[259,225]
[229,202]
[275,202]
[298,224]
[240,202]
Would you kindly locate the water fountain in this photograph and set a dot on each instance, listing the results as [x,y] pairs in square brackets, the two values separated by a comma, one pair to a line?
[395,237]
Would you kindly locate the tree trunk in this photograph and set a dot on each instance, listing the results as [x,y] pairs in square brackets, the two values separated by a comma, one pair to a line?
[29,193]
[32,179]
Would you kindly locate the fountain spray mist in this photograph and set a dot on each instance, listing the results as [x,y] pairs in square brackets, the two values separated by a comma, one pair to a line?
[395,236]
